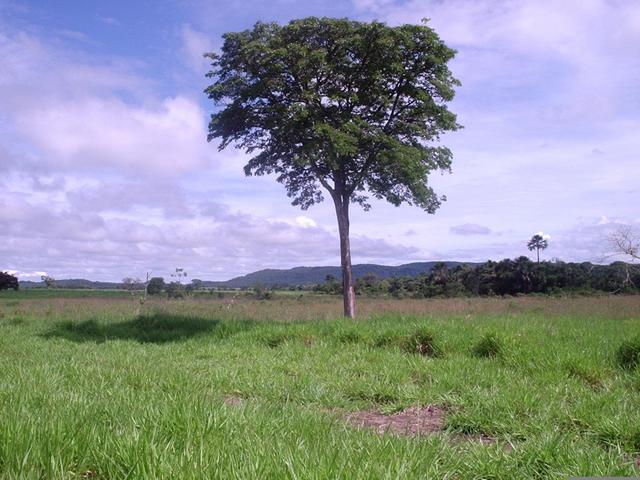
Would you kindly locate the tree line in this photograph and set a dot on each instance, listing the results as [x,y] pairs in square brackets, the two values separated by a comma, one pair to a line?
[520,276]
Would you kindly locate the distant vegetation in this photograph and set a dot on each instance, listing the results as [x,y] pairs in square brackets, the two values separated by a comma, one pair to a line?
[8,281]
[507,277]
[309,276]
[293,277]
[74,283]
[413,280]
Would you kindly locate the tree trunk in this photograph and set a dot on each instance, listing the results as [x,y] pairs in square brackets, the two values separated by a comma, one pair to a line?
[538,252]
[348,293]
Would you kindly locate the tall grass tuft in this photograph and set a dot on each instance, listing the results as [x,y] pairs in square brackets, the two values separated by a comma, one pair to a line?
[489,346]
[628,355]
[423,342]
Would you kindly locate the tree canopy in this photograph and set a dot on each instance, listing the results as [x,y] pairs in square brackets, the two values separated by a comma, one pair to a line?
[8,281]
[537,243]
[156,286]
[337,103]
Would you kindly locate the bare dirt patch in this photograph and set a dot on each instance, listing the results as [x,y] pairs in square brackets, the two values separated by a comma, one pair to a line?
[412,421]
[233,400]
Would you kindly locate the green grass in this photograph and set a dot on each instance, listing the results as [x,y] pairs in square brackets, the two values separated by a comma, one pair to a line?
[91,389]
[50,293]
[34,293]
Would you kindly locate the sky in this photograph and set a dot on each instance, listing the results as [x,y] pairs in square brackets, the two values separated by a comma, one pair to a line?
[105,171]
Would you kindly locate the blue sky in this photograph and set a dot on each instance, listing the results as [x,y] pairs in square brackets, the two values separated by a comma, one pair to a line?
[105,171]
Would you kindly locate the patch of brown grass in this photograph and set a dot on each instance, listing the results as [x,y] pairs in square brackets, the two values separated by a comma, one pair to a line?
[233,400]
[324,307]
[412,421]
[415,421]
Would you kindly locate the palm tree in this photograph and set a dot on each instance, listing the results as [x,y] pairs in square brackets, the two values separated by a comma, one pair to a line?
[537,243]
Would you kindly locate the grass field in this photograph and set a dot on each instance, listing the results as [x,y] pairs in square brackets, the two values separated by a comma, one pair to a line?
[204,388]
[33,293]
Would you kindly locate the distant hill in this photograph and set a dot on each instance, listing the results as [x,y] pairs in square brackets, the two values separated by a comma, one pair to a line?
[270,277]
[313,275]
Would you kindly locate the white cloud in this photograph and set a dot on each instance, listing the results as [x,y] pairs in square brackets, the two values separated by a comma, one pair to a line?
[545,236]
[64,111]
[37,71]
[194,45]
[27,275]
[470,229]
[95,132]
[572,55]
[74,243]
[298,221]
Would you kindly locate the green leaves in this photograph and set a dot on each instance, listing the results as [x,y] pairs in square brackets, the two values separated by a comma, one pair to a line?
[351,106]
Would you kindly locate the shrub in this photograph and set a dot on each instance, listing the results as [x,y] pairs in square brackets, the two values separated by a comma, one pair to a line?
[262,292]
[176,290]
[156,286]
[489,346]
[8,281]
[422,342]
[628,355]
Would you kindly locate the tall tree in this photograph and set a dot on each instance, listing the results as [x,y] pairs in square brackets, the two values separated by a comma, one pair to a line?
[48,281]
[179,273]
[354,108]
[537,243]
[155,286]
[625,241]
[8,281]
